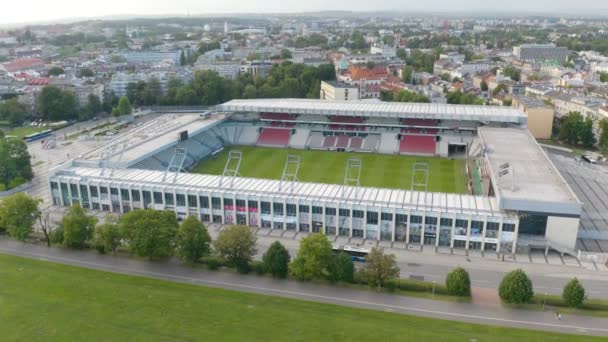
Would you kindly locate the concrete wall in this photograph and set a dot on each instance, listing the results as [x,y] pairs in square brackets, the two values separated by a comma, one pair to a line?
[562,230]
[540,122]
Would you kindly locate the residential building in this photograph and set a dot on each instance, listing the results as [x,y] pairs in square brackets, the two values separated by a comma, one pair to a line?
[331,90]
[538,52]
[120,81]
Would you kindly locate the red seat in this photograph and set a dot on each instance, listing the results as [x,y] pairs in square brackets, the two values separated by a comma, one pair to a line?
[356,142]
[417,144]
[329,141]
[274,137]
[342,141]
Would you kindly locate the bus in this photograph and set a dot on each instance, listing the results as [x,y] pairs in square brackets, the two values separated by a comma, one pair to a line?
[356,253]
[38,136]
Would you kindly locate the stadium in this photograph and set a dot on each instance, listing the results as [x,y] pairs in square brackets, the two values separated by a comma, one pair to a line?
[404,174]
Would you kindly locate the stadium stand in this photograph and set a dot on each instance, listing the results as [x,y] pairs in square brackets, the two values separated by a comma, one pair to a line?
[329,141]
[249,136]
[277,116]
[274,137]
[312,118]
[342,141]
[419,122]
[346,119]
[382,121]
[315,140]
[417,144]
[371,142]
[355,143]
[299,139]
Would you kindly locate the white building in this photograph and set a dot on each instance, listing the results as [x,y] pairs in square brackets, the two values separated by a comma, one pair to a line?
[338,91]
[120,81]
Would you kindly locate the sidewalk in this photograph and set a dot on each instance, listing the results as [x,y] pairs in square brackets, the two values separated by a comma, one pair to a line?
[475,312]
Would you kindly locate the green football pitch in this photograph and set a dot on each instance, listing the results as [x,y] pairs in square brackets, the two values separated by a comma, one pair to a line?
[378,170]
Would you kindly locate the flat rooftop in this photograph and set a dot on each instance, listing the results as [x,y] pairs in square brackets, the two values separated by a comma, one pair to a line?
[241,187]
[149,138]
[538,186]
[379,109]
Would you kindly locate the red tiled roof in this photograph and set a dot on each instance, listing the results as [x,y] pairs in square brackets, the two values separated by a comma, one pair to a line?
[359,73]
[22,64]
[40,81]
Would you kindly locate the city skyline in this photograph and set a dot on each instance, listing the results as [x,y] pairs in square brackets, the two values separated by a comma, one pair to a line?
[69,10]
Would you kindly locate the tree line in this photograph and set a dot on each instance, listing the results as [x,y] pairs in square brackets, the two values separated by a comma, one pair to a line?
[15,165]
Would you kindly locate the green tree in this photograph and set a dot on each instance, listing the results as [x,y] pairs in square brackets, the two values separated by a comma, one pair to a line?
[285,54]
[92,107]
[237,245]
[276,260]
[192,240]
[483,86]
[516,288]
[182,58]
[570,128]
[574,293]
[458,282]
[56,104]
[56,71]
[124,106]
[379,267]
[15,167]
[341,268]
[512,72]
[78,227]
[150,233]
[86,72]
[586,135]
[109,235]
[18,213]
[313,258]
[13,111]
[401,54]
[603,141]
[407,74]
[604,77]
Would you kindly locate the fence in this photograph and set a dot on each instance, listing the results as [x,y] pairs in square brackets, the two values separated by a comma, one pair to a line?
[598,258]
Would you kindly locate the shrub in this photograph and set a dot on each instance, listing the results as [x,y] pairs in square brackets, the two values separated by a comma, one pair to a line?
[276,260]
[57,236]
[237,245]
[258,267]
[516,288]
[458,282]
[574,293]
[212,262]
[341,268]
[15,182]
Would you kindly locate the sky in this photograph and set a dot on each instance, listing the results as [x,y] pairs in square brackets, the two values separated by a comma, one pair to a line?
[45,10]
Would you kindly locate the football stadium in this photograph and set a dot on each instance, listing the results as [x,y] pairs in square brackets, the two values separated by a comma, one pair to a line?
[446,176]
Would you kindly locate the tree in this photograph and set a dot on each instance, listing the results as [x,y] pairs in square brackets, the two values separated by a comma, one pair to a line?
[78,227]
[586,135]
[407,74]
[483,86]
[150,233]
[379,267]
[516,288]
[55,71]
[182,58]
[86,72]
[192,240]
[56,104]
[570,128]
[18,213]
[341,268]
[92,107]
[512,73]
[458,282]
[285,54]
[124,106]
[604,77]
[15,167]
[574,293]
[603,141]
[109,235]
[13,111]
[44,221]
[313,258]
[237,245]
[276,260]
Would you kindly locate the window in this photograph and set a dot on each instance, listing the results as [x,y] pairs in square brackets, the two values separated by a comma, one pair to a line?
[344,212]
[216,203]
[114,191]
[358,213]
[278,208]
[304,208]
[291,209]
[372,217]
[192,201]
[74,190]
[445,222]
[204,201]
[265,207]
[158,198]
[253,204]
[93,191]
[401,219]
[240,203]
[84,193]
[54,186]
[330,211]
[317,210]
[386,216]
[124,194]
[135,195]
[147,197]
[169,200]
[508,227]
[227,201]
[181,200]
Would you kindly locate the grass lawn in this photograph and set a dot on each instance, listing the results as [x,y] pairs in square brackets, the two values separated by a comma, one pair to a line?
[20,132]
[378,170]
[42,300]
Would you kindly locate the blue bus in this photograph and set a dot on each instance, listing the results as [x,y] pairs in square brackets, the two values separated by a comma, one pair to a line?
[38,136]
[356,253]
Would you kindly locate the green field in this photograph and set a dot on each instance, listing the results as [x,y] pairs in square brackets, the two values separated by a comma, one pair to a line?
[47,301]
[20,132]
[378,170]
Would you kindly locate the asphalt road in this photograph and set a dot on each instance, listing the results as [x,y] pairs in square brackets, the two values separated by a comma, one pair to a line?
[172,271]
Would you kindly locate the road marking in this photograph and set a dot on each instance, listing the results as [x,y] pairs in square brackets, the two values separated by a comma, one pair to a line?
[310,295]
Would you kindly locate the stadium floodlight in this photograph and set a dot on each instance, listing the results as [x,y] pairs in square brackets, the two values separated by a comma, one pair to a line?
[420,170]
[506,169]
[504,166]
[176,163]
[231,169]
[503,172]
[352,174]
[290,170]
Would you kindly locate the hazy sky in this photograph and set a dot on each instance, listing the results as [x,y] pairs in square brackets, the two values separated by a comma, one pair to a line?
[37,10]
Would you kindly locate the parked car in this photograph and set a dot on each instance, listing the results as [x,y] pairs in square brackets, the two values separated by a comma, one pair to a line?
[588,159]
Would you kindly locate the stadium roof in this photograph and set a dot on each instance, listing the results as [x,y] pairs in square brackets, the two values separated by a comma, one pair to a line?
[151,137]
[532,183]
[241,187]
[379,109]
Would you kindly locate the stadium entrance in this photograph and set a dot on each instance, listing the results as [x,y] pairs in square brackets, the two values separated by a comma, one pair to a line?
[457,150]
